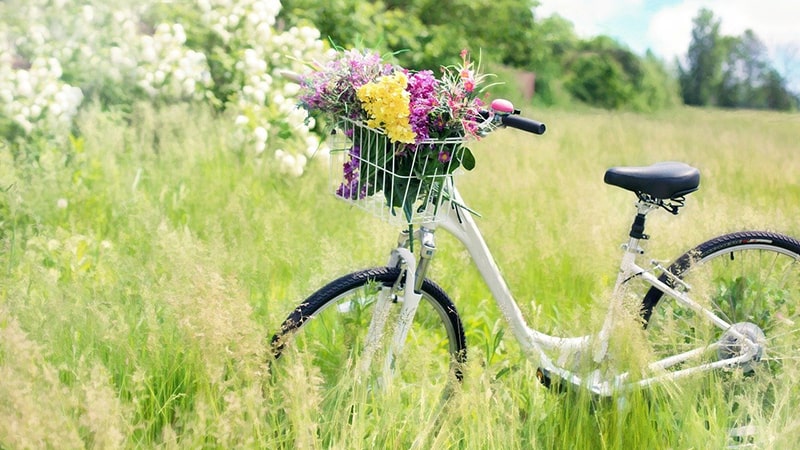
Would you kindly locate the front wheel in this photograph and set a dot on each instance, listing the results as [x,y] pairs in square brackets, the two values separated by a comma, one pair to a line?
[751,280]
[329,332]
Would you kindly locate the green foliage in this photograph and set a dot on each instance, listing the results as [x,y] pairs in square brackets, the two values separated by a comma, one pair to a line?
[605,74]
[599,75]
[553,41]
[424,34]
[658,88]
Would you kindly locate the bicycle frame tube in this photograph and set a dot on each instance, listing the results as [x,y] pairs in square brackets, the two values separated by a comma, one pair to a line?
[534,344]
[461,224]
[405,318]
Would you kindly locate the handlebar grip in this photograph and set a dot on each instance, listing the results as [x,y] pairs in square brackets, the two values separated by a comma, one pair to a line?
[524,124]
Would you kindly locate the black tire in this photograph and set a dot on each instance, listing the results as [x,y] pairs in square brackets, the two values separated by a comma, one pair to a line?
[745,277]
[327,331]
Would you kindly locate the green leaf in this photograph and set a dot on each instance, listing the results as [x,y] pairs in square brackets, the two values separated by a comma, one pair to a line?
[467,159]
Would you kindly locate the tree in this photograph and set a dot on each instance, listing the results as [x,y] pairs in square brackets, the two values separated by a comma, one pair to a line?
[743,71]
[701,76]
[776,95]
[603,74]
[553,40]
[424,34]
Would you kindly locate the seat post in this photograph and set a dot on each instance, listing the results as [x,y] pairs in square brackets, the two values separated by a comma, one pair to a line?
[637,228]
[643,207]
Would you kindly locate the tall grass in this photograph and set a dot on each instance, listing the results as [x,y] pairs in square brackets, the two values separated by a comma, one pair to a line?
[144,269]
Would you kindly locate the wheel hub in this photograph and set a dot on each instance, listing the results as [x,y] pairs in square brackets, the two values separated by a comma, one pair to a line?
[734,343]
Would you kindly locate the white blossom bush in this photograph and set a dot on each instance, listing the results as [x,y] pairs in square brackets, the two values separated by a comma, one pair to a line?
[56,54]
[167,69]
[267,103]
[34,99]
[55,46]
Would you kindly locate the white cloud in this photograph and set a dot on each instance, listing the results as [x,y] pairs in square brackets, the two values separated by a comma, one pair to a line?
[670,30]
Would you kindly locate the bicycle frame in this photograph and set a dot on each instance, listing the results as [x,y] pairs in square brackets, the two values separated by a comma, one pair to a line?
[454,218]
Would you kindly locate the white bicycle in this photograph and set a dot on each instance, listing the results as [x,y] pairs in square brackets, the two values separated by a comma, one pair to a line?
[730,303]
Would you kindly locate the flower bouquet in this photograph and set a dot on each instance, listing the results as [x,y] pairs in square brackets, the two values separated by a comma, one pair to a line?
[404,131]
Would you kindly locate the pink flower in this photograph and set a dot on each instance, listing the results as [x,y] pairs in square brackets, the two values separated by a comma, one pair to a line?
[469,85]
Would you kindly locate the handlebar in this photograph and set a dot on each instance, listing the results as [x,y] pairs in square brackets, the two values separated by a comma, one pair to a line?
[524,124]
[503,111]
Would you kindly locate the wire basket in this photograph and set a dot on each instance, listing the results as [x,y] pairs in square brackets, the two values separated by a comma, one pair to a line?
[397,182]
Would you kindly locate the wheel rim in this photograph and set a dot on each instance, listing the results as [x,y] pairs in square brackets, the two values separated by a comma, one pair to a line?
[755,287]
[331,342]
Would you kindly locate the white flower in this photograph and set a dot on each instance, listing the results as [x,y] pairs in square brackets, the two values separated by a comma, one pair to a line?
[61,203]
[260,134]
[312,144]
[24,88]
[291,89]
[148,51]
[189,86]
[260,147]
[88,13]
[162,30]
[241,120]
[35,111]
[297,118]
[179,33]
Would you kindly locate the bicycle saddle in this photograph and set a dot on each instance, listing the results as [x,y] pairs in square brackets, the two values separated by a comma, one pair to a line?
[664,180]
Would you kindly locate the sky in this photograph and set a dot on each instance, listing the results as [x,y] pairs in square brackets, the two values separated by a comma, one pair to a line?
[665,26]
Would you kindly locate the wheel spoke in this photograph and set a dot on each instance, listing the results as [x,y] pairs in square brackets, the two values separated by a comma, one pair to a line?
[329,334]
[752,281]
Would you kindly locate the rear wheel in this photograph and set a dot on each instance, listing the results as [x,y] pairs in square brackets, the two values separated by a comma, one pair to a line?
[752,281]
[328,332]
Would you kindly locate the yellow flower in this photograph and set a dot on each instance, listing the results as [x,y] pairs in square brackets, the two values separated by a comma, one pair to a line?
[386,102]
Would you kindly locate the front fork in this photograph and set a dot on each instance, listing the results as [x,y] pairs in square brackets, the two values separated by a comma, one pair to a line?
[425,237]
[402,257]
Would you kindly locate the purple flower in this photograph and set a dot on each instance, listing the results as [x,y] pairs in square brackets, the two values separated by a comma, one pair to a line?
[332,88]
[422,89]
[349,188]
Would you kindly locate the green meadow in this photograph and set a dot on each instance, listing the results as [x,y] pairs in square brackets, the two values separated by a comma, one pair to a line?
[146,266]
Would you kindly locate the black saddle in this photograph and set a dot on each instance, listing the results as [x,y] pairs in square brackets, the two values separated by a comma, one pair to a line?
[664,180]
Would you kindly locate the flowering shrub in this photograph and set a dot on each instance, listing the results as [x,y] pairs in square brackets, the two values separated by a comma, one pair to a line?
[245,63]
[54,54]
[166,69]
[36,97]
[417,123]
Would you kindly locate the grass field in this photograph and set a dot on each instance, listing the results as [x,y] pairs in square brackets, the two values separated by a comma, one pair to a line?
[145,268]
